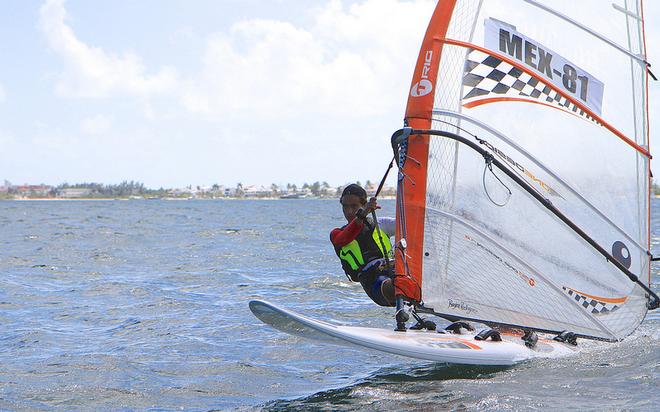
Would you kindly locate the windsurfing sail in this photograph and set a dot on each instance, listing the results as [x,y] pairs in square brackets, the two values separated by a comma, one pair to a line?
[555,93]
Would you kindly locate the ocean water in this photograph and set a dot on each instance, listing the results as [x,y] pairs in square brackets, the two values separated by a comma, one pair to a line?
[134,305]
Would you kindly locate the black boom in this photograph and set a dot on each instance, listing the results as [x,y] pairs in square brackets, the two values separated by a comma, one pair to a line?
[402,135]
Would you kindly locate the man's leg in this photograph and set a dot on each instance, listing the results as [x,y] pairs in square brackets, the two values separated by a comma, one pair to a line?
[377,289]
[387,289]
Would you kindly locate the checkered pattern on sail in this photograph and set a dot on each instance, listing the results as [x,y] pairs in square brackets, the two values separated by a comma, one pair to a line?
[590,304]
[487,76]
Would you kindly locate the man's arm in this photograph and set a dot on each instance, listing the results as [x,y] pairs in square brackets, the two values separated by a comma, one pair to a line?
[342,237]
[387,225]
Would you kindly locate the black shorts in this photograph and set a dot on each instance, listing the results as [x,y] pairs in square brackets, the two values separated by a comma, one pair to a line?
[371,279]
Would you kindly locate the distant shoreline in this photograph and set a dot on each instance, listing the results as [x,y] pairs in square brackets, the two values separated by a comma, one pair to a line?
[96,199]
[110,199]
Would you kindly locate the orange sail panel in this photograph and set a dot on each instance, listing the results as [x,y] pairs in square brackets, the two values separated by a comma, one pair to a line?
[418,115]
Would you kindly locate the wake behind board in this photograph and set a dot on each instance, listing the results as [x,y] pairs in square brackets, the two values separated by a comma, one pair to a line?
[419,344]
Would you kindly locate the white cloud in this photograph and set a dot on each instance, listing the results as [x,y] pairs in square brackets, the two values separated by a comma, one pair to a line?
[93,72]
[347,62]
[96,125]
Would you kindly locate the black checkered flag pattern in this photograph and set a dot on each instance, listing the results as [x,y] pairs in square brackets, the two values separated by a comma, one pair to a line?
[486,75]
[592,305]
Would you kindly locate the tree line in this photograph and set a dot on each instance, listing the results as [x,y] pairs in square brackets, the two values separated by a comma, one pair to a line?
[123,189]
[133,188]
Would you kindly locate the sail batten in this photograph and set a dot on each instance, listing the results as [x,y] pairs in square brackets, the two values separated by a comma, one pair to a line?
[627,12]
[550,172]
[640,58]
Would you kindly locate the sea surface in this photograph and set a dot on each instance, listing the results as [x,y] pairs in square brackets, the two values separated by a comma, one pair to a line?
[134,305]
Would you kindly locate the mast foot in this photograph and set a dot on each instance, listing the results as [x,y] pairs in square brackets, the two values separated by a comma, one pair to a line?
[401,316]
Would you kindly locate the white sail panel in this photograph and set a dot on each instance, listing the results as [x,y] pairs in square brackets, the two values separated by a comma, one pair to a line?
[489,251]
[574,129]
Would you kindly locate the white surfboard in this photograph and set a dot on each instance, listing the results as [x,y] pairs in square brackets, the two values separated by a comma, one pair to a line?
[421,344]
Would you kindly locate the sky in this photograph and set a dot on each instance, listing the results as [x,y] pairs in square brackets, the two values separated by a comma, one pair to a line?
[174,93]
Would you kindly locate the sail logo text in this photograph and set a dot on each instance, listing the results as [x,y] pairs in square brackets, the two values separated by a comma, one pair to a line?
[529,280]
[461,306]
[513,46]
[570,80]
[538,58]
[424,86]
[518,166]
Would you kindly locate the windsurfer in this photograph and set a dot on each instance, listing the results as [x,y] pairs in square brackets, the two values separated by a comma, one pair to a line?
[362,245]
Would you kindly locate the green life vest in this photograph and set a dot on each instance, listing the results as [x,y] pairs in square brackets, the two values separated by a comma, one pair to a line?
[365,248]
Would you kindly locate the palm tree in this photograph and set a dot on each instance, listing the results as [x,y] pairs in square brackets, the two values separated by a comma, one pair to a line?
[315,188]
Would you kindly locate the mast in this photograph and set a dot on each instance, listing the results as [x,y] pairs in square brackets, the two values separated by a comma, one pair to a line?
[411,188]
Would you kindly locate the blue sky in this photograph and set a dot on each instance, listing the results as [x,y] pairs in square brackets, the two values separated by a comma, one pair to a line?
[173,93]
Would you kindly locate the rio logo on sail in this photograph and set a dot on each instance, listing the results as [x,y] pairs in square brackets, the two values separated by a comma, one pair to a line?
[424,86]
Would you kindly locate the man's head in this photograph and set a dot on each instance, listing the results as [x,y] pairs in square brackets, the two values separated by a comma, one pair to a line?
[352,199]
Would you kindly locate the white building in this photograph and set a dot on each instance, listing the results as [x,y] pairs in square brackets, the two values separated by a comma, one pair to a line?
[74,193]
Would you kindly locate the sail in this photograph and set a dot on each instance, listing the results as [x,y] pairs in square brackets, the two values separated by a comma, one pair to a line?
[556,91]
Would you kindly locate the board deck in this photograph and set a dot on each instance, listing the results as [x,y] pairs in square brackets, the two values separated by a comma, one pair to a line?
[420,344]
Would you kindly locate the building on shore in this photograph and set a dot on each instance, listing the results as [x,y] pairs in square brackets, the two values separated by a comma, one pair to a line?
[74,193]
[33,190]
[257,191]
